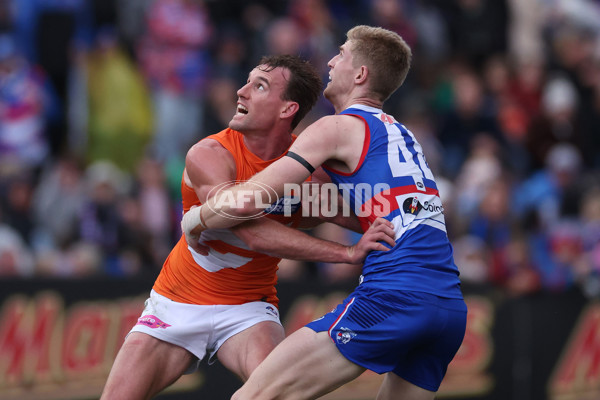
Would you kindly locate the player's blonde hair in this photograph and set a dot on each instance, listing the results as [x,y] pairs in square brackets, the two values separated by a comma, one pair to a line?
[385,54]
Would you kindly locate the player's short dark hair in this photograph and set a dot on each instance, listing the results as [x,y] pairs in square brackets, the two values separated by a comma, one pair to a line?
[304,86]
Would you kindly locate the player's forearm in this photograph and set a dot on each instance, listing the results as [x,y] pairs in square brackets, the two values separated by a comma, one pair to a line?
[313,251]
[278,240]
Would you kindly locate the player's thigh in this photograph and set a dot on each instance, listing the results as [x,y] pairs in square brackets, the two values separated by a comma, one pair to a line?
[394,387]
[144,366]
[305,365]
[145,349]
[242,352]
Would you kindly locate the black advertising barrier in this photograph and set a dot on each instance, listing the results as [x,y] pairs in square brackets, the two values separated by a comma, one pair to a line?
[58,339]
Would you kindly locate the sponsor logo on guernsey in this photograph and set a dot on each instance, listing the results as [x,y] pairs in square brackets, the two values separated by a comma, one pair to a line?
[152,321]
[413,206]
[344,335]
[435,208]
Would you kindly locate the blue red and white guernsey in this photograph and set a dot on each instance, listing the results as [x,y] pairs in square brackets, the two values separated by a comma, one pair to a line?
[393,180]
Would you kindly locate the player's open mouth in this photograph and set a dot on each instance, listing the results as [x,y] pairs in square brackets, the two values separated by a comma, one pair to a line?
[241,109]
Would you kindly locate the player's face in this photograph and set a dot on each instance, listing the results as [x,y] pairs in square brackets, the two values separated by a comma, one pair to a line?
[341,74]
[259,101]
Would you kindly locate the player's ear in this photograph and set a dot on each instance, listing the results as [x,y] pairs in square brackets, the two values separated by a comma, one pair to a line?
[291,108]
[361,74]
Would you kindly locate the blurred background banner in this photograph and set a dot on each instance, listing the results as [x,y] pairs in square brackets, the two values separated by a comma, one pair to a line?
[58,339]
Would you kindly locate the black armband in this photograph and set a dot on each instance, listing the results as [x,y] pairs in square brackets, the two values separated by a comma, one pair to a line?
[301,160]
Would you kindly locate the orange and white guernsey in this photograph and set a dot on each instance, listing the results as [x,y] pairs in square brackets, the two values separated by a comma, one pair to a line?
[231,273]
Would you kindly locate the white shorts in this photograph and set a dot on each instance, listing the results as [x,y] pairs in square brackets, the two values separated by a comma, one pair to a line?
[200,329]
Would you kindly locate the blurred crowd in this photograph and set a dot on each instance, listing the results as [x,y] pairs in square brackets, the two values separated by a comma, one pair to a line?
[100,100]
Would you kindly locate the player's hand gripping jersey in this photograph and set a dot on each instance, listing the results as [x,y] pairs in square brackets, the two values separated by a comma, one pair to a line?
[393,180]
[231,273]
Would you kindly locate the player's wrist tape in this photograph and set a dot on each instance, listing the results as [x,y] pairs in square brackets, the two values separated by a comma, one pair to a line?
[301,160]
[192,219]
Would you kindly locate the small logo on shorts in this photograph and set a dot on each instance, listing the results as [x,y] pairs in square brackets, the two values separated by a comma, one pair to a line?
[271,311]
[344,335]
[152,321]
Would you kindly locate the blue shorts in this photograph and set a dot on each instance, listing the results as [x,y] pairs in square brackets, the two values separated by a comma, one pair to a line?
[412,334]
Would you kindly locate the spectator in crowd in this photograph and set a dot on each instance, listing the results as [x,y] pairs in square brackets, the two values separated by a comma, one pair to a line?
[557,123]
[393,15]
[472,254]
[469,115]
[52,34]
[544,192]
[525,88]
[477,173]
[138,248]
[285,36]
[26,105]
[520,276]
[493,223]
[174,56]
[512,118]
[119,109]
[78,259]
[100,220]
[16,260]
[220,100]
[315,20]
[16,200]
[152,200]
[555,253]
[58,200]
[477,29]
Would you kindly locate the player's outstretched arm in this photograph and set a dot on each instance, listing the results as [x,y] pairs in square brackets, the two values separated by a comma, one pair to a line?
[323,140]
[270,237]
[208,165]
